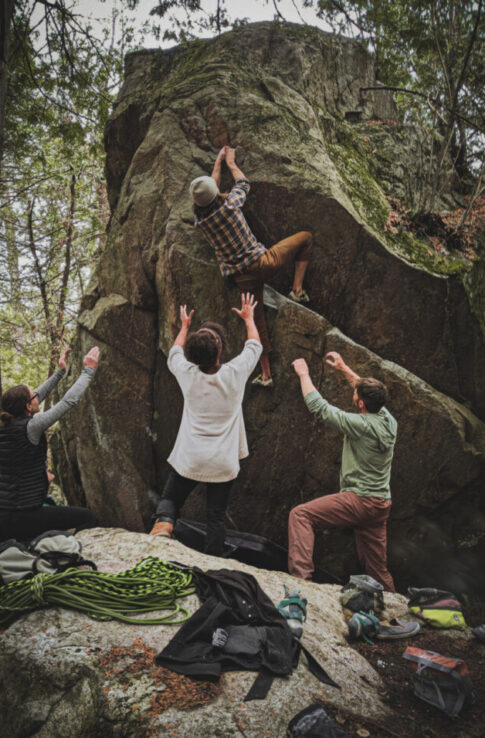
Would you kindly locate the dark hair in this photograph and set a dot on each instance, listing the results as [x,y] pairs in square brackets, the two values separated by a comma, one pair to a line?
[373,393]
[14,401]
[206,210]
[219,329]
[202,348]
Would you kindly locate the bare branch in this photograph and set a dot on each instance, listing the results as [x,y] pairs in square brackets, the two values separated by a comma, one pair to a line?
[38,268]
[67,252]
[424,97]
[350,21]
[280,16]
[466,60]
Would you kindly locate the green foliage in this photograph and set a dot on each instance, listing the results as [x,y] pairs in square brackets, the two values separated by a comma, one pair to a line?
[62,82]
[431,53]
[195,19]
[64,73]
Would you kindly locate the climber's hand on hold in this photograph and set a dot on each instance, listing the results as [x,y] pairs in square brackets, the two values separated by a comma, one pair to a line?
[301,367]
[92,357]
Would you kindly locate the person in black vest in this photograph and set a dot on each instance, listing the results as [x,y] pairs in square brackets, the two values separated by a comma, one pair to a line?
[23,457]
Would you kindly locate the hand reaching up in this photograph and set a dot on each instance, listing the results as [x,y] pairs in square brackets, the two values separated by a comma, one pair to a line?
[221,155]
[63,359]
[185,318]
[248,305]
[301,367]
[334,360]
[230,155]
[92,357]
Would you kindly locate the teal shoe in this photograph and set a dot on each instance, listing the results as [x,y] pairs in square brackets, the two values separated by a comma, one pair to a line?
[293,608]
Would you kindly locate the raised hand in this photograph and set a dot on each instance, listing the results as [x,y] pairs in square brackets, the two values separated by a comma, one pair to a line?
[221,155]
[301,367]
[334,360]
[230,155]
[248,305]
[185,318]
[92,357]
[63,359]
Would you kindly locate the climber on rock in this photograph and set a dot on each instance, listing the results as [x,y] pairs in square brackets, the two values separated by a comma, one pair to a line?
[211,438]
[364,500]
[240,256]
[24,477]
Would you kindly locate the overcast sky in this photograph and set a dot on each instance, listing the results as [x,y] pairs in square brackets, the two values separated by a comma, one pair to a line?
[254,10]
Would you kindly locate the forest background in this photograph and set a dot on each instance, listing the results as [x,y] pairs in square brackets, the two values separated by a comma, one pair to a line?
[61,65]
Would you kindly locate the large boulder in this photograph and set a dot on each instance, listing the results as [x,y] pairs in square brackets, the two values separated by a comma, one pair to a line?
[284,96]
[288,98]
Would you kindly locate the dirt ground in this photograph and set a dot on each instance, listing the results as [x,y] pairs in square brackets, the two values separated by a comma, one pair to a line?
[413,717]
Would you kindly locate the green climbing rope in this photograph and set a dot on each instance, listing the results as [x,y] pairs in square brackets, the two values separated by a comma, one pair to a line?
[151,585]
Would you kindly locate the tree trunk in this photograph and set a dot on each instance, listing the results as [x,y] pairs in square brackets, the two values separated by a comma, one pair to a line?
[6,14]
[66,273]
[12,259]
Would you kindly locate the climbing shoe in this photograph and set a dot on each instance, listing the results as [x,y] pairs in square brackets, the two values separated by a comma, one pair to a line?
[260,382]
[302,298]
[397,629]
[293,608]
[163,528]
[363,625]
[366,626]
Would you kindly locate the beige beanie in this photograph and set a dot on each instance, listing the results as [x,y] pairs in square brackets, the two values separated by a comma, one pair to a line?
[203,190]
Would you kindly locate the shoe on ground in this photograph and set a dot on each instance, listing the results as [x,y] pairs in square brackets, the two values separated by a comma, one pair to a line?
[397,629]
[162,528]
[302,298]
[363,625]
[479,632]
[293,608]
[260,382]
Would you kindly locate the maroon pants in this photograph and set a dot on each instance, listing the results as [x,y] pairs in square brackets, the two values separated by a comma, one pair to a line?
[366,515]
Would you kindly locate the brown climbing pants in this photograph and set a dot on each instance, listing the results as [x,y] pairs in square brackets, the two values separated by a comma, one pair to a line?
[297,247]
[366,515]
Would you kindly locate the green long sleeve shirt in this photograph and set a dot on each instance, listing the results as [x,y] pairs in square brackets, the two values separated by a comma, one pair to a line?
[369,440]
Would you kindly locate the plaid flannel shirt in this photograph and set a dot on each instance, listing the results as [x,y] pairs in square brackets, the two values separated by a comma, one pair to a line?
[227,231]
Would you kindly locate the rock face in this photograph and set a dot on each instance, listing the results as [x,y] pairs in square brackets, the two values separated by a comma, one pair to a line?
[290,99]
[66,674]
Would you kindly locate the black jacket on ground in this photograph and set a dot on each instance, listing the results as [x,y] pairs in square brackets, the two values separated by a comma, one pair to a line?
[259,638]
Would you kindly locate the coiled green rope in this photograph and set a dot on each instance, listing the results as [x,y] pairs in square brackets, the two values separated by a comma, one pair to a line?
[152,584]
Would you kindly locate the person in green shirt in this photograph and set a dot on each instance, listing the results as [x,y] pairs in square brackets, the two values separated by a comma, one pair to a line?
[364,500]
